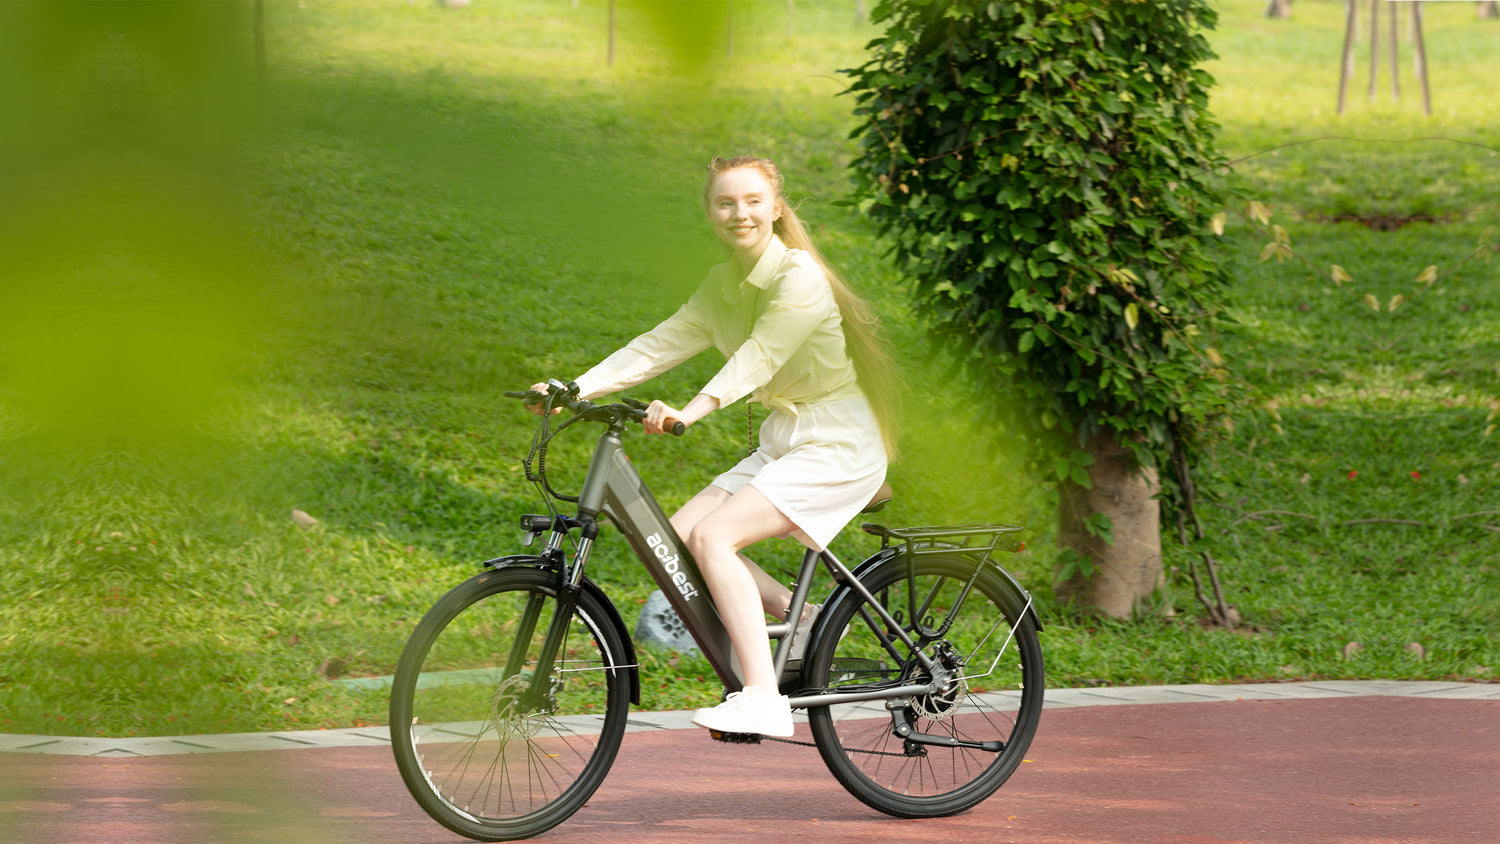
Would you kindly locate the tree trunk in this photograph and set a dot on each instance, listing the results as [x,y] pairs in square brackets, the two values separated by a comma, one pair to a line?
[1346,68]
[1126,572]
[1416,37]
[1279,8]
[611,57]
[1489,9]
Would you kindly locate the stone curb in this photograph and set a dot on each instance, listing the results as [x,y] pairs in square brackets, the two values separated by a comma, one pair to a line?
[680,719]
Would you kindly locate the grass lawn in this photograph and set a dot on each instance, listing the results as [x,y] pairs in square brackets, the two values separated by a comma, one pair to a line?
[313,299]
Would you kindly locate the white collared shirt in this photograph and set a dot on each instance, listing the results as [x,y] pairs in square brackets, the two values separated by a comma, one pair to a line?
[779,328]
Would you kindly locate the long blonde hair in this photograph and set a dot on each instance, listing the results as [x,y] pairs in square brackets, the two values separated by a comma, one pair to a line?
[864,340]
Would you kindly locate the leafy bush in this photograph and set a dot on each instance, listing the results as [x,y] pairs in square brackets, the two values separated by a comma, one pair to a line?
[1048,176]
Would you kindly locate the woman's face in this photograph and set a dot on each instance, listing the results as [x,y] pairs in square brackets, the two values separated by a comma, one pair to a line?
[742,207]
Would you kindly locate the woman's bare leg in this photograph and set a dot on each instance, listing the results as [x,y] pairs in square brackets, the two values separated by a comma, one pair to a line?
[715,540]
[774,595]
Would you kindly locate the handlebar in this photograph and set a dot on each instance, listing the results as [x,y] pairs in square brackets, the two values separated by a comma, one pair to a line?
[560,395]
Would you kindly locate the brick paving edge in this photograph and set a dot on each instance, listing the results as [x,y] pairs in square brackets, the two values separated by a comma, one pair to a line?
[679,719]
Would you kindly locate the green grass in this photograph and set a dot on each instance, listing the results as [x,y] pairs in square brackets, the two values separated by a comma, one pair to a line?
[434,206]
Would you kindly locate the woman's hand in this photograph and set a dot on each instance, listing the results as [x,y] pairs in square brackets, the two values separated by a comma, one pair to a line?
[660,416]
[537,408]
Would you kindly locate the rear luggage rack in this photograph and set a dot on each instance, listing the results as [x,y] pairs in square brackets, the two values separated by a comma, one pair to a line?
[977,539]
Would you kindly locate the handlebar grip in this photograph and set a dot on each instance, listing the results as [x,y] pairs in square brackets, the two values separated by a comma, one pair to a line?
[678,429]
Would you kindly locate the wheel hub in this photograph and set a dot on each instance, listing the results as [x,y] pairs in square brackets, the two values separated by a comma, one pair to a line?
[952,687]
[513,719]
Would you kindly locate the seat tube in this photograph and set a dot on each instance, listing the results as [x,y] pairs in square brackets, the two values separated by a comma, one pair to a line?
[788,627]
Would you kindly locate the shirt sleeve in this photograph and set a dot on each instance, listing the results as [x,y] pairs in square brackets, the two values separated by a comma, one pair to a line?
[800,300]
[677,338]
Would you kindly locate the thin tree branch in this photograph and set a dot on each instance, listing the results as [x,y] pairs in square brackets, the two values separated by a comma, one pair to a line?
[1413,522]
[1258,513]
[1359,140]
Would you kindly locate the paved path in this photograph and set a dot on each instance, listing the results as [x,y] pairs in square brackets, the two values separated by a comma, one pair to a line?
[1369,761]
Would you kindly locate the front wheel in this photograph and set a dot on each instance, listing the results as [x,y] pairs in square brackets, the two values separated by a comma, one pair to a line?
[941,753]
[493,744]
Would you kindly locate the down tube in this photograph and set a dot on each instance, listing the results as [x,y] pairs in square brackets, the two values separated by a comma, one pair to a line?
[635,512]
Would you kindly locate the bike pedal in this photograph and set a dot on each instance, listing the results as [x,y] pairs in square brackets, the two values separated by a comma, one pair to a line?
[735,738]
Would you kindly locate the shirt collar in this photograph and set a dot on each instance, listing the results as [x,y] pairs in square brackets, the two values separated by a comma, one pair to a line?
[765,268]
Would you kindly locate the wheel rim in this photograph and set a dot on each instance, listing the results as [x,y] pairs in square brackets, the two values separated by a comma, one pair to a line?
[985,699]
[494,749]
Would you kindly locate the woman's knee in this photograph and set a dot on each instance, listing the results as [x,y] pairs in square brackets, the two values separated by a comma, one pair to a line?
[735,523]
[701,540]
[713,537]
[700,505]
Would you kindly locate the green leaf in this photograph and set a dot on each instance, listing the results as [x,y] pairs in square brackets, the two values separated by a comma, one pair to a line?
[1081,477]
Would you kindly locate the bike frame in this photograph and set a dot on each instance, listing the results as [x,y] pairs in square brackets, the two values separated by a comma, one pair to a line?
[614,488]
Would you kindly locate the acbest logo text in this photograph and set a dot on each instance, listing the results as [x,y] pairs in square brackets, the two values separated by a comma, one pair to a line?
[673,564]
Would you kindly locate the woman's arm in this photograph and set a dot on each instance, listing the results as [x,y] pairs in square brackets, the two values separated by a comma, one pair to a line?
[677,338]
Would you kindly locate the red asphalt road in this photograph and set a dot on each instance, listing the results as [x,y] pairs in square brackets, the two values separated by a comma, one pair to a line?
[1365,769]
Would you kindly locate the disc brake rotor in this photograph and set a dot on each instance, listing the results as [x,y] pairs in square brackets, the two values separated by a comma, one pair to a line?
[512,719]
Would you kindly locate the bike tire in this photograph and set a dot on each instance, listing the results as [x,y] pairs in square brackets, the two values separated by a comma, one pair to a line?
[997,696]
[476,758]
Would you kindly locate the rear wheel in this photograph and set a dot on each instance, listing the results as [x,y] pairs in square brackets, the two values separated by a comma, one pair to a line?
[932,754]
[493,744]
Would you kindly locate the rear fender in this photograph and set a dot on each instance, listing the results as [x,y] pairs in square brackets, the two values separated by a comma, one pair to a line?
[842,592]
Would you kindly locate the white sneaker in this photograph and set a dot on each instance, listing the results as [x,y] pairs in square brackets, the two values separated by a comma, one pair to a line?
[804,634]
[750,711]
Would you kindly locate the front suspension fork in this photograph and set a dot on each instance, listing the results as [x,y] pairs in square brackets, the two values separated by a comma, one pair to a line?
[567,588]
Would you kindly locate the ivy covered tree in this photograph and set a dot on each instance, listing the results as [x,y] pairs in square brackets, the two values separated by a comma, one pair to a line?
[1048,177]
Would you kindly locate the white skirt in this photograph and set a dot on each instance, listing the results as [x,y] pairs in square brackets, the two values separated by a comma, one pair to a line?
[819,467]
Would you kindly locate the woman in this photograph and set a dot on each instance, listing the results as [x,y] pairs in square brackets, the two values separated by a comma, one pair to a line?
[806,346]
